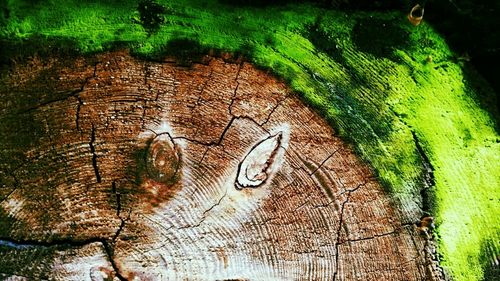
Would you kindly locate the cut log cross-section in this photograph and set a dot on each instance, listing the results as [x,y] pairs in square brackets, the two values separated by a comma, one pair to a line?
[153,171]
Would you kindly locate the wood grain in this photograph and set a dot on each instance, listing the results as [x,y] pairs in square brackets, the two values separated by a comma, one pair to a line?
[116,167]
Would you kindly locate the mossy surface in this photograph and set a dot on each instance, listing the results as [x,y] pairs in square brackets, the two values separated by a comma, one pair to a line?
[380,82]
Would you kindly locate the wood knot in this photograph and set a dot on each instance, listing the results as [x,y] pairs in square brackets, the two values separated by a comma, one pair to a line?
[255,168]
[163,159]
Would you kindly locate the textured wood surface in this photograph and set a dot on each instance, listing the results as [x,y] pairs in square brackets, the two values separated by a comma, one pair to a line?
[117,168]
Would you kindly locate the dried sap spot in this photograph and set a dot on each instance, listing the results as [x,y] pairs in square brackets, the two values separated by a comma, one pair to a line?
[163,159]
[258,164]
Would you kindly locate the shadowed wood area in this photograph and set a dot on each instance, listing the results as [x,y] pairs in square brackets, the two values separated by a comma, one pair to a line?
[117,168]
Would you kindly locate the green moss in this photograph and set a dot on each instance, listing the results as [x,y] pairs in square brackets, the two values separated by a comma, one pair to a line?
[374,77]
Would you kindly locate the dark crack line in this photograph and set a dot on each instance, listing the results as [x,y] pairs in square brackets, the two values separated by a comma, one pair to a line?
[306,201]
[157,95]
[118,201]
[323,205]
[205,213]
[147,73]
[119,230]
[78,109]
[425,192]
[215,205]
[240,66]
[143,117]
[166,230]
[429,179]
[323,162]
[212,143]
[94,74]
[354,189]
[337,243]
[278,104]
[428,168]
[209,78]
[74,93]
[233,98]
[369,238]
[221,138]
[64,244]
[426,161]
[94,155]
[118,211]
[203,156]
[110,252]
[44,104]
[8,195]
[339,229]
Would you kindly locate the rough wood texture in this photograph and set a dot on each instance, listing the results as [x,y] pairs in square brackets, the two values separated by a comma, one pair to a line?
[115,167]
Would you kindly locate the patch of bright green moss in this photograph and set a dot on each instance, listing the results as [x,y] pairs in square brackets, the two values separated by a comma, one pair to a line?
[374,77]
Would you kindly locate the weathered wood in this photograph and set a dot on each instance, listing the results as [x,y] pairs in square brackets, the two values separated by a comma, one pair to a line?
[147,170]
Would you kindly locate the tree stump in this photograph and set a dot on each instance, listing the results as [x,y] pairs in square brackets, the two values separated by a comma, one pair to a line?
[114,168]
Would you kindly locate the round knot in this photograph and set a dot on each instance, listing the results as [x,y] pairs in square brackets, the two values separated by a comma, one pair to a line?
[163,159]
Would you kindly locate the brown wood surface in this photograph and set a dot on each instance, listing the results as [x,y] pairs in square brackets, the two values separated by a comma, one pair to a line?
[113,167]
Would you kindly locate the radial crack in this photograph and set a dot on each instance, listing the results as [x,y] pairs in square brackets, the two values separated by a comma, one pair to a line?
[278,104]
[94,155]
[118,201]
[429,180]
[68,95]
[323,162]
[240,66]
[204,215]
[369,238]
[78,108]
[339,229]
[110,253]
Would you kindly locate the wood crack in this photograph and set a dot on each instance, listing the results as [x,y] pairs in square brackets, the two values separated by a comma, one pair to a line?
[323,162]
[429,179]
[64,244]
[291,221]
[118,211]
[221,138]
[204,215]
[369,238]
[94,155]
[110,253]
[78,108]
[68,95]
[339,229]
[240,66]
[278,104]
